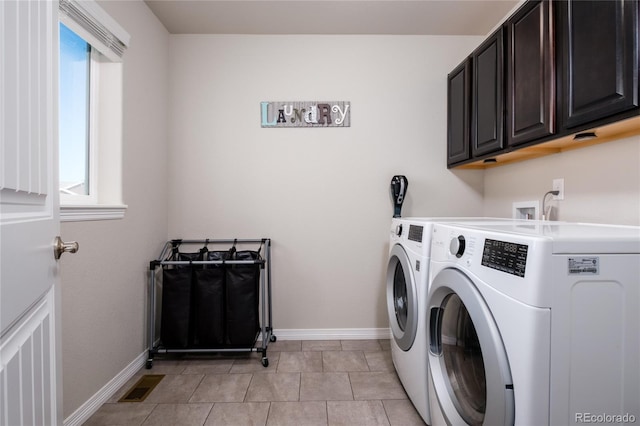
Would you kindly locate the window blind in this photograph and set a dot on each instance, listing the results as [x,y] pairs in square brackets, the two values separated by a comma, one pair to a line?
[93,24]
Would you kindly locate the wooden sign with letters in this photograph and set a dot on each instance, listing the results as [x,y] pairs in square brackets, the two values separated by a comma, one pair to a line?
[305,114]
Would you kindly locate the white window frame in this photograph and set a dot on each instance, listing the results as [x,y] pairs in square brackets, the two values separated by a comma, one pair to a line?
[105,116]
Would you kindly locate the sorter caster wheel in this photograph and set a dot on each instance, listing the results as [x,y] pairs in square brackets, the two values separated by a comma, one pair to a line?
[273,338]
[149,364]
[265,362]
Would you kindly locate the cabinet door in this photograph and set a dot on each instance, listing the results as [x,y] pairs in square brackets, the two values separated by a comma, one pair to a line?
[458,110]
[530,74]
[599,42]
[487,113]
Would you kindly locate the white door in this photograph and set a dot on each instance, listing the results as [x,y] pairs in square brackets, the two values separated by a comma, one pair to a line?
[29,339]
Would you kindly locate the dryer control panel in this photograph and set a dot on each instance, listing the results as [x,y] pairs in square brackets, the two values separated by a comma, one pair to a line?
[505,256]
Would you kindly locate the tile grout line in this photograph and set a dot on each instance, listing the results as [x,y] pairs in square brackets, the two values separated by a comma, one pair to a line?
[246,391]
[209,413]
[326,409]
[384,407]
[148,415]
[195,387]
[268,414]
[353,395]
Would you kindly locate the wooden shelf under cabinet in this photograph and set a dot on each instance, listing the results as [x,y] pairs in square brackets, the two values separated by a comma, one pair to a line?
[618,130]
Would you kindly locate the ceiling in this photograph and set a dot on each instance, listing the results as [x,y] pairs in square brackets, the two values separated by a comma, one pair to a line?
[400,17]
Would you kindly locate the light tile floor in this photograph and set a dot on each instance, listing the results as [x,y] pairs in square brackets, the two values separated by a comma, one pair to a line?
[348,382]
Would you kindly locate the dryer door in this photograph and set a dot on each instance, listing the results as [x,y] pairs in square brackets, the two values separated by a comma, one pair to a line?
[467,358]
[402,298]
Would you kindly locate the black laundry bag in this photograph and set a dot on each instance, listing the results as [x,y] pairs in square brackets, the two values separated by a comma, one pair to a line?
[210,305]
[242,297]
[175,321]
[208,302]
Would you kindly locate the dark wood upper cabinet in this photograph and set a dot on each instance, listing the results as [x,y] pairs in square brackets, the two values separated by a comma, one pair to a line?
[487,88]
[598,59]
[530,100]
[458,113]
[554,68]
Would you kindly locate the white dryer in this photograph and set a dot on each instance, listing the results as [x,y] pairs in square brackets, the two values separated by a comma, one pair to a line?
[407,279]
[535,324]
[407,289]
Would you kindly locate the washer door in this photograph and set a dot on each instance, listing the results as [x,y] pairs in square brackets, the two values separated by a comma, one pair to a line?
[402,299]
[467,358]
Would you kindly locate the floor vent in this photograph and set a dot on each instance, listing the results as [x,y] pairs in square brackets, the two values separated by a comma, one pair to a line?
[141,390]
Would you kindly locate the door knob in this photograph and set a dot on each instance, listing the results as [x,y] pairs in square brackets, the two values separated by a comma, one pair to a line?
[60,247]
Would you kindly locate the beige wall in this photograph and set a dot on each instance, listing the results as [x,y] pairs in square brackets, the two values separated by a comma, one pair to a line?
[104,284]
[602,183]
[321,194]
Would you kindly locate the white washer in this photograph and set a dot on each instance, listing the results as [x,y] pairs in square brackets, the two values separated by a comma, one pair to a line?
[407,289]
[535,324]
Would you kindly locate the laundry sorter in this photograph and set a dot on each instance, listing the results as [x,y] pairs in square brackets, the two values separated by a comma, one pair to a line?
[211,296]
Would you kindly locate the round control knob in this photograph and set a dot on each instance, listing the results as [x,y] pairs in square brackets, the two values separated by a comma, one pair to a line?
[457,246]
[399,230]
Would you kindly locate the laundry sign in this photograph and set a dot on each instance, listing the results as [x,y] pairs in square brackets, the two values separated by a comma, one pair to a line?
[305,114]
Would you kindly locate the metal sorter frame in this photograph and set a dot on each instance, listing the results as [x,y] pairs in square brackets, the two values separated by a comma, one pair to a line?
[266,330]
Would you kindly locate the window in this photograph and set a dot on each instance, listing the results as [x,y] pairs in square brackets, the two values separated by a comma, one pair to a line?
[74,119]
[91,46]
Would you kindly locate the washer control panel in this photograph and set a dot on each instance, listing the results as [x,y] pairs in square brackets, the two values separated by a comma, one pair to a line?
[505,256]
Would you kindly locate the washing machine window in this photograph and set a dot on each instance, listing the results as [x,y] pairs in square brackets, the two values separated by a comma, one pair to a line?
[402,299]
[462,357]
[468,362]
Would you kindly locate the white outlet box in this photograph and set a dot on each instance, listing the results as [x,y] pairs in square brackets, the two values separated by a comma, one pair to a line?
[558,185]
[526,210]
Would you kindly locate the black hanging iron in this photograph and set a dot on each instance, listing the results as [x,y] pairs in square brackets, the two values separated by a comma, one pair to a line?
[398,190]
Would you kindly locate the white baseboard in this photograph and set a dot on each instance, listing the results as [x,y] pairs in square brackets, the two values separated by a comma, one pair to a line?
[332,334]
[92,405]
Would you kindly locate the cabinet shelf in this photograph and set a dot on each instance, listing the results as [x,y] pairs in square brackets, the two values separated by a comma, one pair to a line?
[608,133]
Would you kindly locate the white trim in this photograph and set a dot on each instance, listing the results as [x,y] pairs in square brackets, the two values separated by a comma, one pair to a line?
[332,334]
[91,212]
[86,410]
